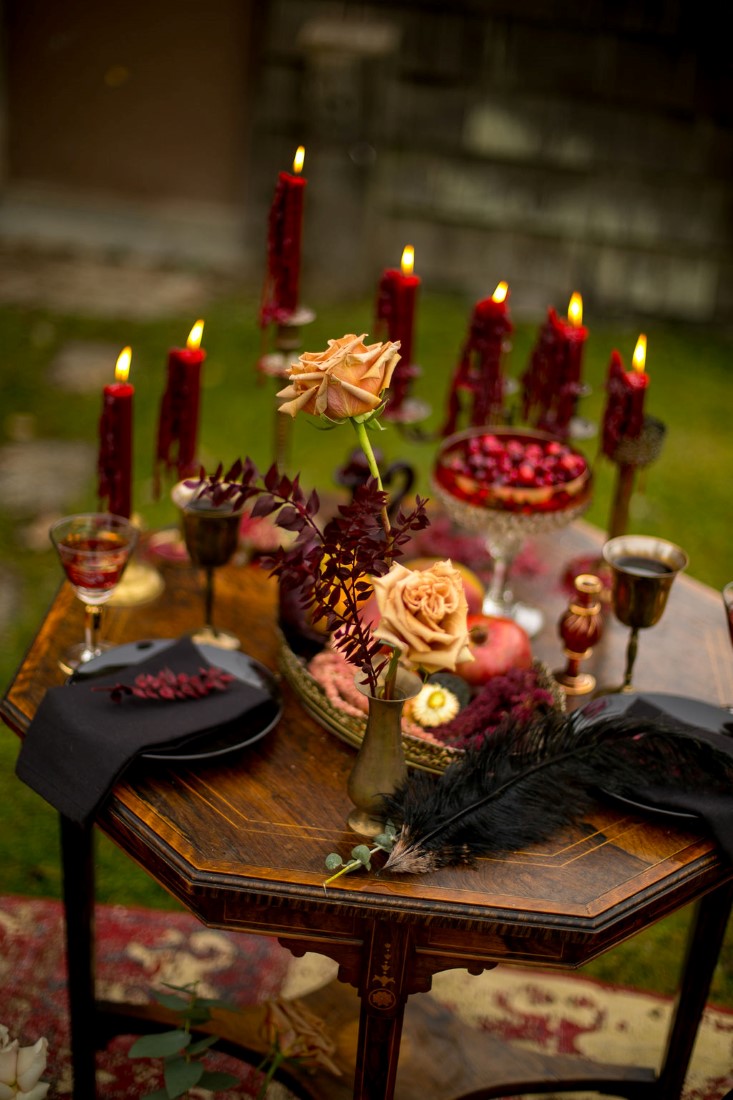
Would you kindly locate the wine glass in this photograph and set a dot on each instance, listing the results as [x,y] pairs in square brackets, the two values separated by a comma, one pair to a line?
[211,534]
[643,568]
[93,548]
[472,479]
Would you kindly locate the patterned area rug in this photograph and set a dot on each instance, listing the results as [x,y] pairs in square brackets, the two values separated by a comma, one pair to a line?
[142,949]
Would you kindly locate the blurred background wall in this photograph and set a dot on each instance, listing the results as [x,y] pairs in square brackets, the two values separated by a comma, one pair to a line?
[559,146]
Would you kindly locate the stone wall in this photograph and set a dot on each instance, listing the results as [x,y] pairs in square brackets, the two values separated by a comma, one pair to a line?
[560,146]
[556,146]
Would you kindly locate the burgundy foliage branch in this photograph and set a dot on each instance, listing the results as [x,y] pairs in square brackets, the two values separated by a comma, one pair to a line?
[170,686]
[328,570]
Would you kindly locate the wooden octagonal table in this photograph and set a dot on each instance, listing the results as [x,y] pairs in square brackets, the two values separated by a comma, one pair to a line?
[241,842]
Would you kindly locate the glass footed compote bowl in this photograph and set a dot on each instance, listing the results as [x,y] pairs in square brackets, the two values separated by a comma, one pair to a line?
[508,485]
[643,568]
[211,534]
[93,548]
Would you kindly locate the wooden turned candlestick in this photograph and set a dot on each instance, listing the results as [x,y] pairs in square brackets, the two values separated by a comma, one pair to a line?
[630,456]
[288,339]
[580,627]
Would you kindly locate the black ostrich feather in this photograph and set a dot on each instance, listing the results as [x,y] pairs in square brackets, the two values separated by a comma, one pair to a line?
[529,781]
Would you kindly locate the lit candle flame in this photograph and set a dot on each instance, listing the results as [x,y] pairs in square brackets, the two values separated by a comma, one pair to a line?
[194,337]
[575,310]
[122,368]
[501,292]
[639,357]
[408,260]
[298,160]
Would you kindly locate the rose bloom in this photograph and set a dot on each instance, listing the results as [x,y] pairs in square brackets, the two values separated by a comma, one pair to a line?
[423,613]
[20,1069]
[348,379]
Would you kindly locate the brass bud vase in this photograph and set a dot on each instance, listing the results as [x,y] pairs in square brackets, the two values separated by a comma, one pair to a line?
[380,766]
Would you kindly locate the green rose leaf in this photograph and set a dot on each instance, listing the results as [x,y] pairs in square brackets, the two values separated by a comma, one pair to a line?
[160,1046]
[217,1082]
[171,1000]
[202,1045]
[180,1076]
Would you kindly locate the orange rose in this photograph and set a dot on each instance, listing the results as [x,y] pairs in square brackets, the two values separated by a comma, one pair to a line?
[346,380]
[423,613]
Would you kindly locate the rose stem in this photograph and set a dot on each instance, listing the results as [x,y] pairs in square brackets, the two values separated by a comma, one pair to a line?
[364,442]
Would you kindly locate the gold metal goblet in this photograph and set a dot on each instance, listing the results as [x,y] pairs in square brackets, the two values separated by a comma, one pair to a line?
[643,568]
[211,534]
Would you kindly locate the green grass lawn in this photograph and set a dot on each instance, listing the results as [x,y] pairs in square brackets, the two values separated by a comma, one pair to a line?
[685,496]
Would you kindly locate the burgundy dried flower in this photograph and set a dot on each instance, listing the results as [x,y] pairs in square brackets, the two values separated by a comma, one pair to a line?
[169,686]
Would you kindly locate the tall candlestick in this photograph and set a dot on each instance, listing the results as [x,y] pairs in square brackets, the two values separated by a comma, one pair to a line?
[114,465]
[178,420]
[285,229]
[478,373]
[552,381]
[396,300]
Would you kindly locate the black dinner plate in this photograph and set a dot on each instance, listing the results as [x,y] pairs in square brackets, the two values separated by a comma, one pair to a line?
[691,712]
[227,738]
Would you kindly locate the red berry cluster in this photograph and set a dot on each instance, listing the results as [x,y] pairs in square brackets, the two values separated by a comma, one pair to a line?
[169,685]
[490,468]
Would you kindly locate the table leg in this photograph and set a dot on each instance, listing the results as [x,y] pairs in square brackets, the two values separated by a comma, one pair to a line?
[703,949]
[383,992]
[77,859]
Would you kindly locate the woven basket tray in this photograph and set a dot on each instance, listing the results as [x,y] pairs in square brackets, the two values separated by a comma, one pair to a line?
[419,752]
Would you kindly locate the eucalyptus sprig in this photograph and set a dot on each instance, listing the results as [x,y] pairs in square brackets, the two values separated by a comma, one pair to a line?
[183,1066]
[361,855]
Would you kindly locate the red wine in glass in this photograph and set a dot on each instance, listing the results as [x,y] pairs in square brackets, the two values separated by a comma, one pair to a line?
[93,564]
[93,548]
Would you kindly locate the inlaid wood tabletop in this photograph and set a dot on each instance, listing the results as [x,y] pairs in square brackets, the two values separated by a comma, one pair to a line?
[241,840]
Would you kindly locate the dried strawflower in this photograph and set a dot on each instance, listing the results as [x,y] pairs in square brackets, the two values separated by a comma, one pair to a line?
[433,705]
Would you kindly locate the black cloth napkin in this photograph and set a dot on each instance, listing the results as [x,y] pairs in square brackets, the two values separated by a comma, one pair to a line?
[713,806]
[80,741]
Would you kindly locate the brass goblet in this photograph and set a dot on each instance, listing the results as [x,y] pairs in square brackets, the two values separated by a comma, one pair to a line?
[643,568]
[211,533]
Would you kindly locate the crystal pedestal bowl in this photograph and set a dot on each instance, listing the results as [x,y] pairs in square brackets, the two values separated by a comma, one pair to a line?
[508,485]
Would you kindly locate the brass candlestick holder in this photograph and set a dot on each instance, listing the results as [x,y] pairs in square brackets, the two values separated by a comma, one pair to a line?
[288,339]
[580,627]
[630,456]
[141,582]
